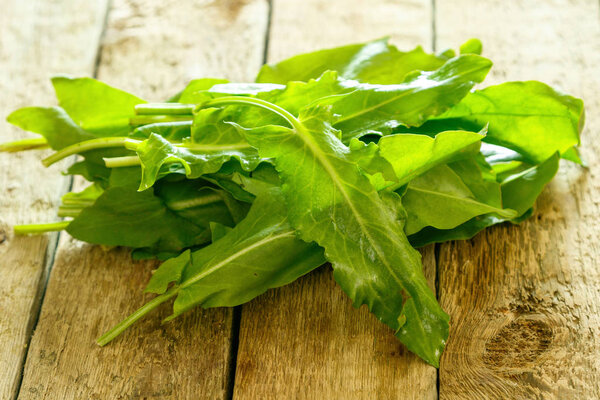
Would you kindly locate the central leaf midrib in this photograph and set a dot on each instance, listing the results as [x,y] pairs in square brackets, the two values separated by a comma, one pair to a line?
[450,196]
[238,254]
[334,177]
[194,147]
[383,103]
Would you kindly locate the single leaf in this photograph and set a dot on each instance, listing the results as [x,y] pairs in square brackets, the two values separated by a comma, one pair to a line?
[528,117]
[371,62]
[176,217]
[411,155]
[421,96]
[471,46]
[330,202]
[519,194]
[520,190]
[95,106]
[53,123]
[439,198]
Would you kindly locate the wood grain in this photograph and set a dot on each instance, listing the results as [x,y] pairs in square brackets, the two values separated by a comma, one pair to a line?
[151,48]
[525,299]
[64,37]
[306,341]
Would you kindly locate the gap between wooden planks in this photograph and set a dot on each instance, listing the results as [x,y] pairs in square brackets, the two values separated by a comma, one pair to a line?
[151,48]
[524,300]
[63,38]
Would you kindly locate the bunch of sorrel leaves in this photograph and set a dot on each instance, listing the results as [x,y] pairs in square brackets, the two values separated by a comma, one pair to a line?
[354,155]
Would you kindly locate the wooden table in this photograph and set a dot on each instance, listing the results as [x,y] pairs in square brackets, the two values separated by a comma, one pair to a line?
[524,300]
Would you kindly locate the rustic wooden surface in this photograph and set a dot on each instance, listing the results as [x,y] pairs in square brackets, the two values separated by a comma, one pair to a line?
[524,300]
[32,34]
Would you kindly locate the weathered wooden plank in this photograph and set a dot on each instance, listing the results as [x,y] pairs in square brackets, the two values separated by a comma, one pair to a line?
[63,36]
[525,300]
[305,341]
[151,48]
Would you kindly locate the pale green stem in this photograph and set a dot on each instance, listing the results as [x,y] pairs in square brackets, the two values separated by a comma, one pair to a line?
[153,119]
[78,202]
[81,147]
[194,202]
[164,109]
[33,229]
[25,144]
[127,161]
[251,101]
[69,211]
[133,318]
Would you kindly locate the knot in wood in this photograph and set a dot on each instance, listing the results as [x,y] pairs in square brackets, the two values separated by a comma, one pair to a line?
[518,345]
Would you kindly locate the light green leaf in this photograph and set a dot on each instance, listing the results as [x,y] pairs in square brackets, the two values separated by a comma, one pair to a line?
[195,89]
[95,106]
[528,117]
[520,190]
[480,178]
[213,143]
[373,62]
[411,155]
[519,193]
[53,123]
[471,46]
[439,189]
